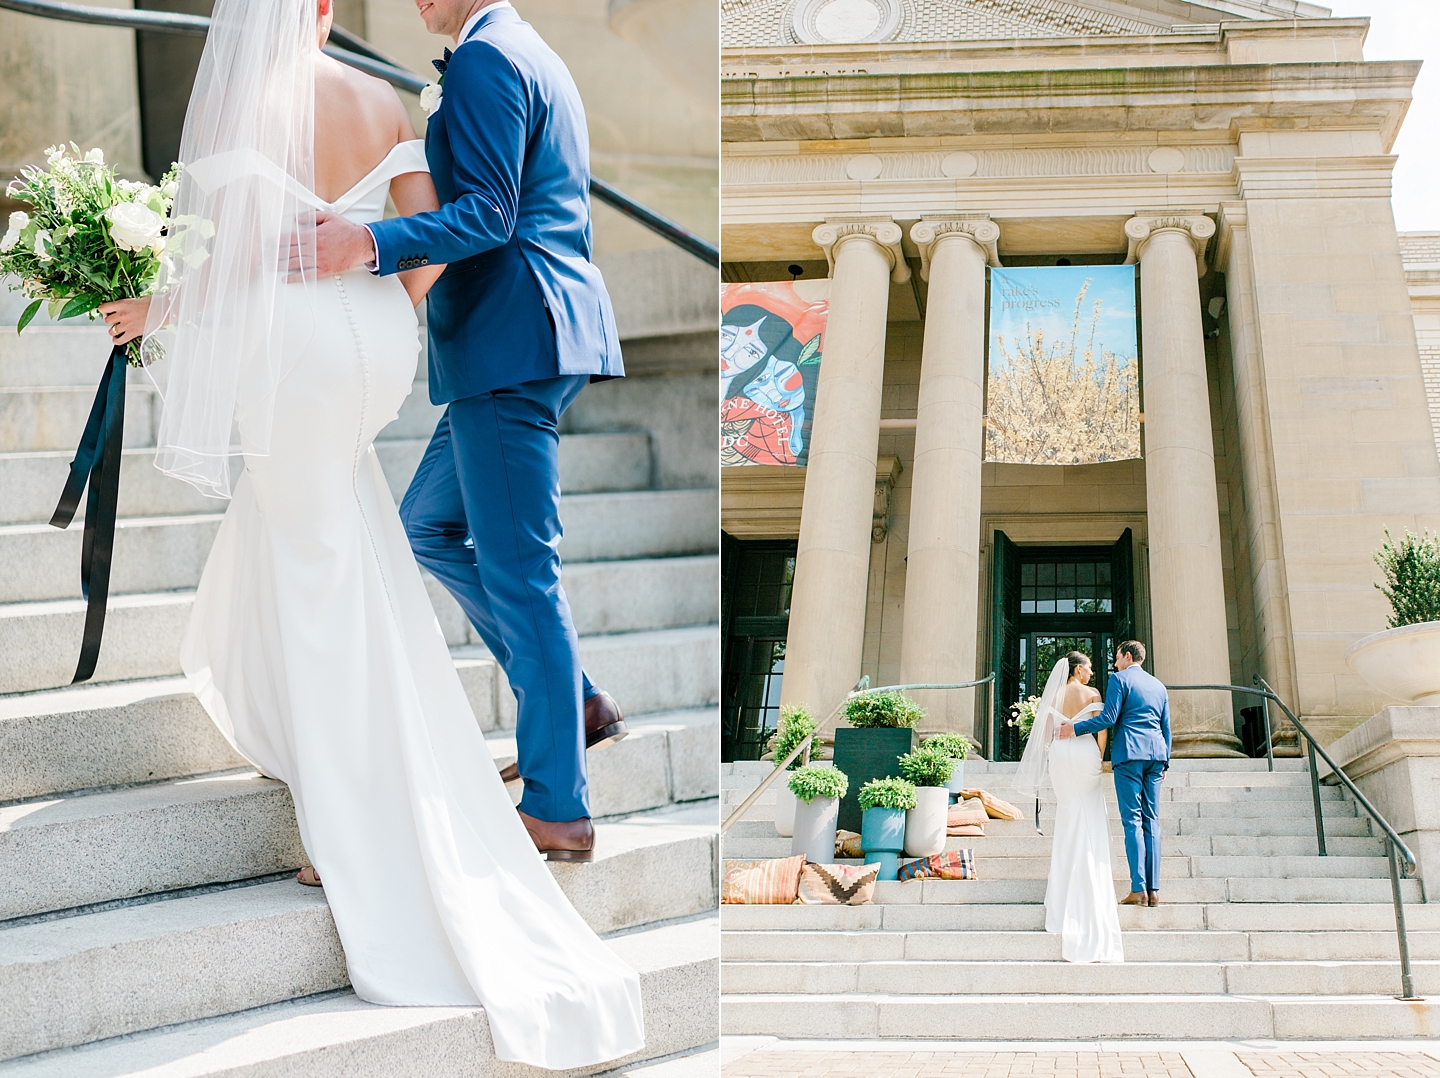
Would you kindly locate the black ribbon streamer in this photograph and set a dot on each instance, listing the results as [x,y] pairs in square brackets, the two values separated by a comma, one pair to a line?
[97,461]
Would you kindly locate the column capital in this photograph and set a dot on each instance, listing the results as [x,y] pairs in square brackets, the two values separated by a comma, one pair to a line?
[882,231]
[1194,226]
[978,228]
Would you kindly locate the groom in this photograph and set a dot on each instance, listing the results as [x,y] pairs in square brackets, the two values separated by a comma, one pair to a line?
[1138,707]
[519,323]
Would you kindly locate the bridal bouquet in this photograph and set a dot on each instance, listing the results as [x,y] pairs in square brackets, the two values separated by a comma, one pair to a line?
[1022,715]
[89,238]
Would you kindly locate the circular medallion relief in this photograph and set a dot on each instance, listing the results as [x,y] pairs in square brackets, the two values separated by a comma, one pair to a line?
[1166,159]
[865,166]
[959,165]
[844,22]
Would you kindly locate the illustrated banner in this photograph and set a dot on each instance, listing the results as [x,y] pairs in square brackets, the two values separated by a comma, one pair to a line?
[771,341]
[1064,378]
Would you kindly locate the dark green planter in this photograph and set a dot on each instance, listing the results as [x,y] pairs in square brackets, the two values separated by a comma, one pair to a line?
[865,754]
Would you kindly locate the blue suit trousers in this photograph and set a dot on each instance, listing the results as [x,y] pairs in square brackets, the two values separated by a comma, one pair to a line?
[483,515]
[1137,787]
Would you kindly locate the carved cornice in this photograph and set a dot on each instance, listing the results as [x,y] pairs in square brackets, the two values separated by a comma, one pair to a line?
[1195,227]
[1234,217]
[882,231]
[979,230]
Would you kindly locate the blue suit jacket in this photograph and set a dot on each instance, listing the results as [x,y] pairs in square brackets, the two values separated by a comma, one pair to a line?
[1138,706]
[510,156]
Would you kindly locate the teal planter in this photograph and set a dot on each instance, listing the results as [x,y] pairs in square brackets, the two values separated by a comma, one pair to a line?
[865,754]
[882,837]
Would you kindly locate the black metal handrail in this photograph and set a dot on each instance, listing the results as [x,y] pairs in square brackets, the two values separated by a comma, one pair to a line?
[360,55]
[1395,847]
[862,688]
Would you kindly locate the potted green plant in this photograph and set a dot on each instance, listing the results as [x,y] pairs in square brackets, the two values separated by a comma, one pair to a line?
[817,791]
[1404,661]
[883,805]
[881,730]
[957,747]
[796,724]
[928,769]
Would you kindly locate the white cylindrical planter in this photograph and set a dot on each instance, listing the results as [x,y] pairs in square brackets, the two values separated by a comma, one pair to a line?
[814,835]
[925,823]
[957,779]
[784,809]
[1403,663]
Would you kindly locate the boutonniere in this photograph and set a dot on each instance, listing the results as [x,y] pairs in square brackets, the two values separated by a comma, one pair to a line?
[431,95]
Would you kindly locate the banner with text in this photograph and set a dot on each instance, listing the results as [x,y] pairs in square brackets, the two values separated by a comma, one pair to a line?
[771,341]
[1064,377]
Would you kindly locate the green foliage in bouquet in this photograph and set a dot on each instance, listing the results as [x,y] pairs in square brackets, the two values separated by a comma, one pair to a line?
[1412,577]
[89,237]
[796,724]
[1022,715]
[811,782]
[927,767]
[883,709]
[887,794]
[952,745]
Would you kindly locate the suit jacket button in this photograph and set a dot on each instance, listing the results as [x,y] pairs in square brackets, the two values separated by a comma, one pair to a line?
[425,261]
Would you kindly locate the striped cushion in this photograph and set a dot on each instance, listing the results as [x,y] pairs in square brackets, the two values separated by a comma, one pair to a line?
[954,865]
[768,882]
[838,885]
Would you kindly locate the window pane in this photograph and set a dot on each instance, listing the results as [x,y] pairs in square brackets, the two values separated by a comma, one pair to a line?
[1102,573]
[1045,606]
[1064,606]
[1027,606]
[1066,572]
[1027,574]
[1085,574]
[1045,574]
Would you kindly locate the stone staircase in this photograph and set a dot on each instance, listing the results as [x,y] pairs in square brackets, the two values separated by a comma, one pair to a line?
[1256,937]
[148,919]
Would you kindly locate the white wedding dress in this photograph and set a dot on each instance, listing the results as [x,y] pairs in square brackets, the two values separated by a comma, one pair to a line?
[1080,895]
[315,649]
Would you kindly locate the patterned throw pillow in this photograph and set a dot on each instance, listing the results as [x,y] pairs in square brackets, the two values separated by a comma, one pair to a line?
[838,885]
[847,844]
[995,808]
[775,881]
[966,818]
[952,865]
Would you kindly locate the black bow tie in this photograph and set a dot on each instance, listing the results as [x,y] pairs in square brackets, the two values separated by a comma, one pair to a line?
[443,63]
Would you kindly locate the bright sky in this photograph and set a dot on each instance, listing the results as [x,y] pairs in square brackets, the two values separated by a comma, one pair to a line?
[1409,30]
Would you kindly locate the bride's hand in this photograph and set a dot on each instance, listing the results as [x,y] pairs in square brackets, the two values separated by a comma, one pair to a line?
[126,318]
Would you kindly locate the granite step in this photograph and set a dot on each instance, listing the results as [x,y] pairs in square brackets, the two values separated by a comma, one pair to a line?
[178,962]
[1065,1017]
[90,848]
[30,483]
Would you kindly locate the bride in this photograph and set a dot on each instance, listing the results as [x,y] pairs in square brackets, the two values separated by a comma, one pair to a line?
[1080,894]
[312,643]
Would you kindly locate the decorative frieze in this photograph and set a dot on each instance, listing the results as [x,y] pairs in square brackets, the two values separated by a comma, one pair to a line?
[980,164]
[883,231]
[929,231]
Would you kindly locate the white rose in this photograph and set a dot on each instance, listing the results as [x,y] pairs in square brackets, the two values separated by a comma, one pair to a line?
[19,220]
[169,189]
[54,154]
[430,98]
[158,247]
[96,156]
[40,252]
[9,240]
[134,227]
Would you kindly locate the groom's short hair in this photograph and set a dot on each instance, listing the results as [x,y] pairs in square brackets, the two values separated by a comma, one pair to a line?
[1134,649]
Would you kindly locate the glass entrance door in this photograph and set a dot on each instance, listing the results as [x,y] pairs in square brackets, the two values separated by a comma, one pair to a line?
[755,611]
[1040,651]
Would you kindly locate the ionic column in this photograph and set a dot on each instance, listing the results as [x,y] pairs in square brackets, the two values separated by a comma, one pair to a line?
[942,570]
[832,561]
[1187,588]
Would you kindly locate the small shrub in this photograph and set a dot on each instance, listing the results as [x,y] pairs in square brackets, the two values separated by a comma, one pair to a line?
[887,794]
[952,745]
[811,782]
[880,709]
[926,767]
[796,724]
[1022,715]
[1412,577]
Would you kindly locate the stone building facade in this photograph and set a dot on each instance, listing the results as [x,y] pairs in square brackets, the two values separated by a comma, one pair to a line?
[1238,151]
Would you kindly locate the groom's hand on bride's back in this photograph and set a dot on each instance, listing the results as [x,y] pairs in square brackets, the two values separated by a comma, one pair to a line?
[339,246]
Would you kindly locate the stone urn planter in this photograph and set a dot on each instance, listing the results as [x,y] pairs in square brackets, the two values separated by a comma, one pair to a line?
[1402,663]
[925,823]
[784,809]
[882,837]
[814,834]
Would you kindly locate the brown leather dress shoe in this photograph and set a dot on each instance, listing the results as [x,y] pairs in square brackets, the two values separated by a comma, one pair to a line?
[1154,898]
[572,840]
[1134,898]
[604,725]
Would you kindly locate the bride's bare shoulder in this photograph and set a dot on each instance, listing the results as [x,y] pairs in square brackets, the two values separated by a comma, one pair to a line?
[350,96]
